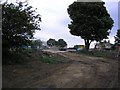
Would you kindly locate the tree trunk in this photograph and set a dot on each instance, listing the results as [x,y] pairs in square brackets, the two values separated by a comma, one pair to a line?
[87,45]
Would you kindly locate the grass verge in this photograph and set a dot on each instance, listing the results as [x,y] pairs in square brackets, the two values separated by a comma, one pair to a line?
[30,55]
[96,53]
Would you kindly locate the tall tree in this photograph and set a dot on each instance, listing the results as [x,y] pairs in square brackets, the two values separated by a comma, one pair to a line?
[19,22]
[90,20]
[117,37]
[62,43]
[51,42]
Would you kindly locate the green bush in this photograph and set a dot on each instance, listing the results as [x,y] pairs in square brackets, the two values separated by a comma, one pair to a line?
[20,57]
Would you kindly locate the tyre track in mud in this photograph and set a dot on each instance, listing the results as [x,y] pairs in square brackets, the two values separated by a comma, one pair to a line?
[83,72]
[78,71]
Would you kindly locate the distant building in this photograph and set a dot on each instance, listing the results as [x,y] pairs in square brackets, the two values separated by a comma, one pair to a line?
[79,47]
[103,45]
[71,49]
[29,47]
[24,46]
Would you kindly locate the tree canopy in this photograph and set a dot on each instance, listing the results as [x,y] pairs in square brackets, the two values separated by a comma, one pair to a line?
[62,43]
[19,22]
[117,37]
[90,20]
[51,42]
[36,44]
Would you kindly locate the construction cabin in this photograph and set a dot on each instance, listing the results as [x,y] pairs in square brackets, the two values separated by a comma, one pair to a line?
[79,47]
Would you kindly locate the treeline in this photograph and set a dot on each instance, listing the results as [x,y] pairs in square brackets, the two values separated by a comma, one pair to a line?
[60,43]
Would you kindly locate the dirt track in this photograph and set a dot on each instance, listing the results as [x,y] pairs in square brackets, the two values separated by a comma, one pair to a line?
[80,72]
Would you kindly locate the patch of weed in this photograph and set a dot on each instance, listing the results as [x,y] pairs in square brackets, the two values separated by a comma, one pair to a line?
[49,59]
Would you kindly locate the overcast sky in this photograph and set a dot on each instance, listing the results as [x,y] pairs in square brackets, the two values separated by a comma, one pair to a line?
[55,20]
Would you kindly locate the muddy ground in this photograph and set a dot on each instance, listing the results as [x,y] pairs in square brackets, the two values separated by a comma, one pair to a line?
[78,71]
